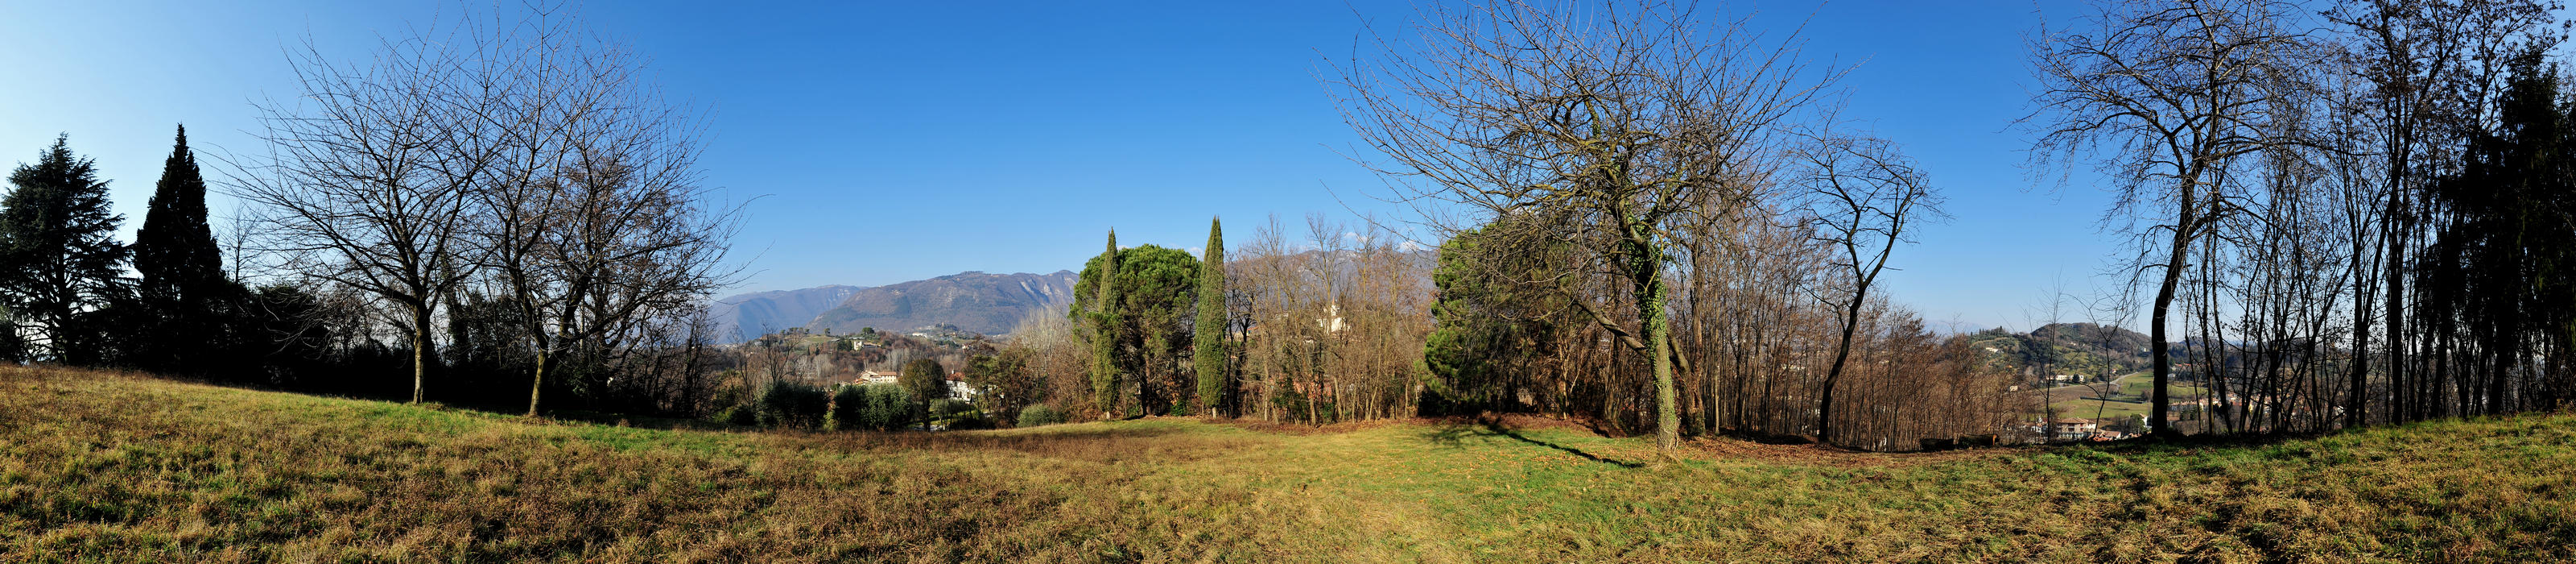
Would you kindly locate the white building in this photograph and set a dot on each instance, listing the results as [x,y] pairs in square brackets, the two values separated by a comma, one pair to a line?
[875,377]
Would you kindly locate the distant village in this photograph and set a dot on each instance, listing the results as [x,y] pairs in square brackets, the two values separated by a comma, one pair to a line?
[867,356]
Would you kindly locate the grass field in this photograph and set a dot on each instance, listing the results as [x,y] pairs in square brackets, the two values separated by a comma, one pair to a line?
[2078,401]
[102,467]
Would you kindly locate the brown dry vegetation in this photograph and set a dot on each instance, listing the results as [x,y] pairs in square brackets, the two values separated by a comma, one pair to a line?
[110,467]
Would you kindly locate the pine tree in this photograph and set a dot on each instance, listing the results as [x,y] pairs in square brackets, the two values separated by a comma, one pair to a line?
[59,258]
[181,268]
[1104,333]
[1208,346]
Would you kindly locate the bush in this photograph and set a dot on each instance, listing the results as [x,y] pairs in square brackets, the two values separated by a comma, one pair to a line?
[732,407]
[957,415]
[882,407]
[1040,414]
[791,405]
[947,408]
[847,404]
[739,416]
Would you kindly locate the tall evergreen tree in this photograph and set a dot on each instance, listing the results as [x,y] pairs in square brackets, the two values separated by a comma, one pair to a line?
[59,258]
[1208,346]
[183,285]
[1104,333]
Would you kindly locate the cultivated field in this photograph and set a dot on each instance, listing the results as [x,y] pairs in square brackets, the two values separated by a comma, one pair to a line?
[105,467]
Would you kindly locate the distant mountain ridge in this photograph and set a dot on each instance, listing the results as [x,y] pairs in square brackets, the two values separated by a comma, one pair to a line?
[746,316]
[974,301]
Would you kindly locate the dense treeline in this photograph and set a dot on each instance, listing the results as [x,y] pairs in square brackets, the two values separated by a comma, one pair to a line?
[1662,269]
[1660,224]
[2346,214]
[502,214]
[2356,215]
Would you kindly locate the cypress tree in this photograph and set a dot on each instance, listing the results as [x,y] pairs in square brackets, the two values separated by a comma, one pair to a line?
[1104,332]
[1208,345]
[180,266]
[59,258]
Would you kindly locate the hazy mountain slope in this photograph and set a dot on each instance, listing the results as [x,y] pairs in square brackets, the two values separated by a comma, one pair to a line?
[974,301]
[743,317]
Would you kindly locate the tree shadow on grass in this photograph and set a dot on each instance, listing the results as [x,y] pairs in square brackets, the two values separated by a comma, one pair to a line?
[1453,433]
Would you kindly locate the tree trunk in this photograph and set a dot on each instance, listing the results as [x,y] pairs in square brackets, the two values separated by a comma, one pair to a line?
[2157,343]
[1668,417]
[419,350]
[2396,272]
[537,385]
[2357,406]
[1825,403]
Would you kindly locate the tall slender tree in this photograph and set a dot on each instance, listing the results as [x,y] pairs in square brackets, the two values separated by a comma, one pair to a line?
[181,269]
[1863,194]
[59,259]
[1104,333]
[1208,346]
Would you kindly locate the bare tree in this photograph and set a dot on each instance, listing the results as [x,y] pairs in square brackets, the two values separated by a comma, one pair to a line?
[594,222]
[2169,95]
[370,175]
[1628,119]
[1862,196]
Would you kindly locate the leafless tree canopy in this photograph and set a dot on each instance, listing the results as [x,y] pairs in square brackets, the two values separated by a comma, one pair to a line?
[523,160]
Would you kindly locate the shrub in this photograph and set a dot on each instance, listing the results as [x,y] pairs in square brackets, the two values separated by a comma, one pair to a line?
[969,422]
[739,416]
[882,407]
[847,404]
[1040,414]
[791,405]
[957,415]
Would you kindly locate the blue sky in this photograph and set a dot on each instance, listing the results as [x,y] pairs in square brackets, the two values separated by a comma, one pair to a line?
[893,141]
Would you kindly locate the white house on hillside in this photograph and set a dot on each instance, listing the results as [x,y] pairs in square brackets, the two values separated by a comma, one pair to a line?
[875,377]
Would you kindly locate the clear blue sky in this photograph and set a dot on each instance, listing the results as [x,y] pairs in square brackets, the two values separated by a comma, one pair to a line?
[893,141]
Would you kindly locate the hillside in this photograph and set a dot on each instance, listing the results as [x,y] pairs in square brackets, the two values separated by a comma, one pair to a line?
[974,301]
[743,317]
[2080,348]
[119,468]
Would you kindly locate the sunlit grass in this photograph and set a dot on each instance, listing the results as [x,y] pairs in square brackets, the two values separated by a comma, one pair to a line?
[118,468]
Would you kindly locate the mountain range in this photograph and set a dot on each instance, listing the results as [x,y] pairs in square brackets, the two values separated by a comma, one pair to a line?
[974,301]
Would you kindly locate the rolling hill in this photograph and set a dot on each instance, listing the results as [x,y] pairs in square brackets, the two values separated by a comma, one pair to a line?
[2079,348]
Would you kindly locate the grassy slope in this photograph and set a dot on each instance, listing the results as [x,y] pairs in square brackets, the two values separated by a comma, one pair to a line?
[116,468]
[2082,404]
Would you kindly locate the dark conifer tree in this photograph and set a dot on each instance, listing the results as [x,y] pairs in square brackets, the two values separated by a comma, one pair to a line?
[1208,346]
[1104,332]
[183,288]
[59,258]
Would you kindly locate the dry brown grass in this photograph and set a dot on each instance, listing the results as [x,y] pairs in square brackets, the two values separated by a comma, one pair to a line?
[109,467]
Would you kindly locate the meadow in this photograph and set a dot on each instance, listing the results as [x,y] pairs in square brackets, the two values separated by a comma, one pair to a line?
[98,466]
